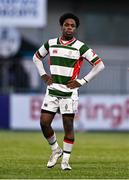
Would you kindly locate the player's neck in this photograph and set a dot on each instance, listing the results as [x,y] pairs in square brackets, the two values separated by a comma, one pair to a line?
[65,38]
[66,42]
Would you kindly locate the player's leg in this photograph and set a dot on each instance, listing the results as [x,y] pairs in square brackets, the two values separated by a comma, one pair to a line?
[68,140]
[45,123]
[48,112]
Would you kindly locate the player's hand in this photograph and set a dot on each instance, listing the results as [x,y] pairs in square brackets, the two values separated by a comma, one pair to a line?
[47,79]
[73,84]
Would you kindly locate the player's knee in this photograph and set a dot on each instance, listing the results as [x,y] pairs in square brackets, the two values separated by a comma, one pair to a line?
[44,121]
[68,125]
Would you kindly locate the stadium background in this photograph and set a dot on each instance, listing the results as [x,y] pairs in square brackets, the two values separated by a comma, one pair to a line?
[101,149]
[104,103]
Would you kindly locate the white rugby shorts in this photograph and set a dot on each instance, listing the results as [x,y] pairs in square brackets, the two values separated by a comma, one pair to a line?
[59,104]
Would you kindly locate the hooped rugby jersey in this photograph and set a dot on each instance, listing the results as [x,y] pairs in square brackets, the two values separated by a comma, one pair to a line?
[65,62]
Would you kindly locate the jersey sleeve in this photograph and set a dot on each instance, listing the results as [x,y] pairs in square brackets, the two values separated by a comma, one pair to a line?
[44,49]
[89,55]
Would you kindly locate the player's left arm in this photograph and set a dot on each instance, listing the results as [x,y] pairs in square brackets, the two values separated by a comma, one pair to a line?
[97,67]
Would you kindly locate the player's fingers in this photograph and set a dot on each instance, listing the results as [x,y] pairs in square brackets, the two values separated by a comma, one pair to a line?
[69,85]
[50,81]
[69,82]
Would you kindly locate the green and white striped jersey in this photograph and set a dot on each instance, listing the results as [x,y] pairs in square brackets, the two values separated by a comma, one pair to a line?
[65,62]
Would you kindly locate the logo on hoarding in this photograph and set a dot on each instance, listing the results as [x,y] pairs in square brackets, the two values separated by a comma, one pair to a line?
[115,113]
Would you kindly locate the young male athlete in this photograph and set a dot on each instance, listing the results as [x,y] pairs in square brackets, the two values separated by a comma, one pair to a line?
[66,56]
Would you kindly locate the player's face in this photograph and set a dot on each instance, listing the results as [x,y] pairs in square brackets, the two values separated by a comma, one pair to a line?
[68,28]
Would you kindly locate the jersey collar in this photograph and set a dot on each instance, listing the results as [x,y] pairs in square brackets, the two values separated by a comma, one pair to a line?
[67,42]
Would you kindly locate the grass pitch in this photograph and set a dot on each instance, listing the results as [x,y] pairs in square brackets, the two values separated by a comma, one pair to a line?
[23,155]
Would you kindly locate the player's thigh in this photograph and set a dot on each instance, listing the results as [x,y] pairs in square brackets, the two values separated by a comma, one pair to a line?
[46,117]
[68,120]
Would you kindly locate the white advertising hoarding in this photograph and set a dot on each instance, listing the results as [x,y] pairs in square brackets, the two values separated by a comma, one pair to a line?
[107,112]
[96,112]
[23,13]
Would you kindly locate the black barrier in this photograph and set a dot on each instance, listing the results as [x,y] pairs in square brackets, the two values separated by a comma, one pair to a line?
[4,112]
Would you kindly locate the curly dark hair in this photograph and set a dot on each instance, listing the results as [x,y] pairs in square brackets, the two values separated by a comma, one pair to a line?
[67,16]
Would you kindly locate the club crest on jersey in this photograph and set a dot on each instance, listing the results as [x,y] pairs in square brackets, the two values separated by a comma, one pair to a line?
[55,51]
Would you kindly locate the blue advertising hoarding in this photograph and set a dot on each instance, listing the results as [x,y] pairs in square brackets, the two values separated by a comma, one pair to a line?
[4,112]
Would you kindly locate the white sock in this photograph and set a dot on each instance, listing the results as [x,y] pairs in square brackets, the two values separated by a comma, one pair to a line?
[67,149]
[53,142]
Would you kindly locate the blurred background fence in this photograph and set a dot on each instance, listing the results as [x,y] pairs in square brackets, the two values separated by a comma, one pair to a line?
[26,25]
[22,77]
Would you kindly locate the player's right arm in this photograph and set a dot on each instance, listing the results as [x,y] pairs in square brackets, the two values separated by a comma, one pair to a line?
[37,59]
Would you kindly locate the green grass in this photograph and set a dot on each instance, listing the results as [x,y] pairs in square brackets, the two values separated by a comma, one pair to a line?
[95,155]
